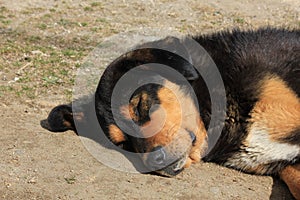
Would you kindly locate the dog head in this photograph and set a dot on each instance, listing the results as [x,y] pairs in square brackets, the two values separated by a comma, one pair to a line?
[160,120]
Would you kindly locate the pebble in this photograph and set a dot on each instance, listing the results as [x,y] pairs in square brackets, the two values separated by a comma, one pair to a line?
[214,190]
[32,180]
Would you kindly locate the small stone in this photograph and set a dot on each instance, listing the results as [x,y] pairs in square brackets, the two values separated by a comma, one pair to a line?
[32,180]
[215,190]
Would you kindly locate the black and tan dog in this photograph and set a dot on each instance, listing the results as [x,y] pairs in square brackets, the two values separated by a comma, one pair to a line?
[261,132]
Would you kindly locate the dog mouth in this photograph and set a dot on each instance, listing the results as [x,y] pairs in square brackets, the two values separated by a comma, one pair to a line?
[174,168]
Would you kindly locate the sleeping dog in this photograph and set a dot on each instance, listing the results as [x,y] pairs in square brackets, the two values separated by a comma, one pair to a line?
[260,130]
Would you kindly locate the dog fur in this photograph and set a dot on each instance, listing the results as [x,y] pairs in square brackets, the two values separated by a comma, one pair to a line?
[261,134]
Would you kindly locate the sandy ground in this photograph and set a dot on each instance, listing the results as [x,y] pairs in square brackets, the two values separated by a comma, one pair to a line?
[42,45]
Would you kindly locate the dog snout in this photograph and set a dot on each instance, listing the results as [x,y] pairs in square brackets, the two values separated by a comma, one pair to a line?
[157,157]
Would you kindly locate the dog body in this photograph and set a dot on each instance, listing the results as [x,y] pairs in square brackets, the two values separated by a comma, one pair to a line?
[261,131]
[261,75]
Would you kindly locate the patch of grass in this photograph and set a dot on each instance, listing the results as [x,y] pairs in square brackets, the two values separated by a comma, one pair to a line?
[88,8]
[4,89]
[95,29]
[52,59]
[17,64]
[42,26]
[96,4]
[64,72]
[46,16]
[239,20]
[69,52]
[69,94]
[77,65]
[3,9]
[33,38]
[83,24]
[6,22]
[24,79]
[73,52]
[24,91]
[28,91]
[52,79]
[70,180]
[102,20]
[66,22]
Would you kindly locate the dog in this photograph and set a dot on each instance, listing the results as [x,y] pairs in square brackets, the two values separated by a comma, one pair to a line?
[260,130]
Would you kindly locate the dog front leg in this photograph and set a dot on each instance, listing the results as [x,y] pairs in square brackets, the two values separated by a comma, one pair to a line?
[291,176]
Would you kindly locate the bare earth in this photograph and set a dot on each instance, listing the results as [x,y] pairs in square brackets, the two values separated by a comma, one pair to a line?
[42,43]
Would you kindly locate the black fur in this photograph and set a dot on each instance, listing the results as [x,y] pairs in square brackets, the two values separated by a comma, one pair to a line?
[128,61]
[243,58]
[60,119]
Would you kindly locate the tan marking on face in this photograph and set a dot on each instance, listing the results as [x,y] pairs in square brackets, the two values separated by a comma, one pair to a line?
[128,110]
[67,124]
[115,134]
[291,176]
[170,109]
[175,116]
[170,122]
[278,108]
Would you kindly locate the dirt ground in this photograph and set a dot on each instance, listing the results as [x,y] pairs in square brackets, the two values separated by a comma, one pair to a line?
[43,43]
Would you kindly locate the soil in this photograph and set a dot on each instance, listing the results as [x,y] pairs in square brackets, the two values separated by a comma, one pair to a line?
[43,43]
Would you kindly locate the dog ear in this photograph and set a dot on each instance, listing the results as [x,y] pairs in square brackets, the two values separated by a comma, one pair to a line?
[182,59]
[170,51]
[186,69]
[61,118]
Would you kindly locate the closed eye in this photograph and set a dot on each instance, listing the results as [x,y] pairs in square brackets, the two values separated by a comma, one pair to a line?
[193,136]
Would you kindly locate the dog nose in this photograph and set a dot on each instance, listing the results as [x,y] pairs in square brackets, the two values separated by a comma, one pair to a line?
[156,158]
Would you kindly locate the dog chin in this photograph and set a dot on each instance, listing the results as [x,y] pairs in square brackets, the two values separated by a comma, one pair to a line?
[174,168]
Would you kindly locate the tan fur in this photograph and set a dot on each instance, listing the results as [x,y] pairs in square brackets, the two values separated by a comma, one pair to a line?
[200,145]
[67,124]
[176,113]
[291,176]
[115,134]
[128,110]
[278,109]
[170,108]
[170,123]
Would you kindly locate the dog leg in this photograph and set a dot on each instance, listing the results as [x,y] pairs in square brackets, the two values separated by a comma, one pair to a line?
[291,176]
[194,157]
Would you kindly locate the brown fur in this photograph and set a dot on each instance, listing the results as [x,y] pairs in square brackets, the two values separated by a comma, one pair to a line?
[167,127]
[170,114]
[130,115]
[291,176]
[67,124]
[261,132]
[115,134]
[170,108]
[278,109]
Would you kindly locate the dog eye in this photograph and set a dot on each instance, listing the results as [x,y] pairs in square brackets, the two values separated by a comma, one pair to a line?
[193,136]
[136,112]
